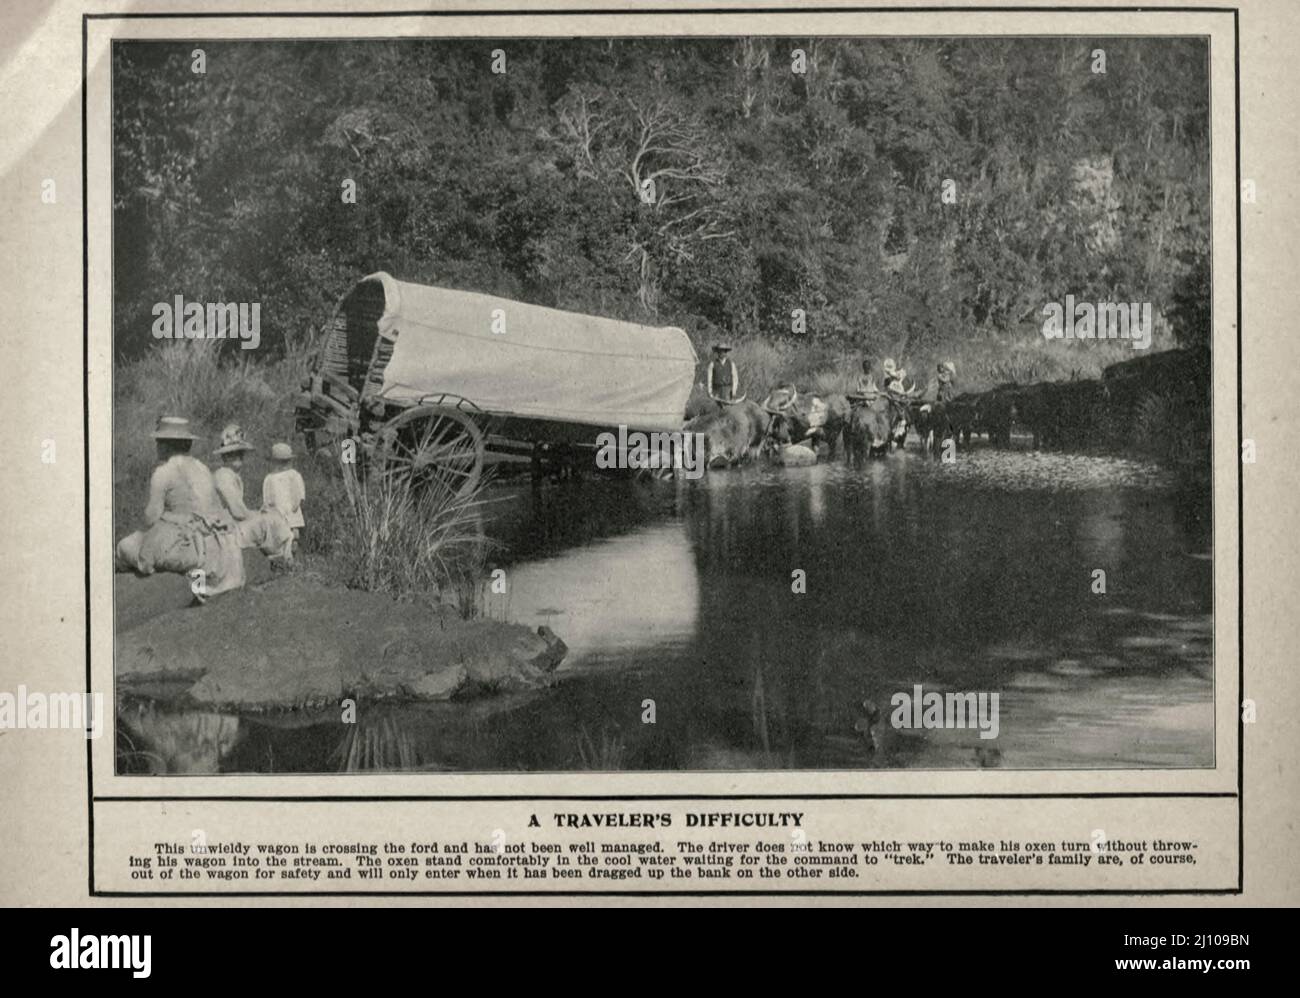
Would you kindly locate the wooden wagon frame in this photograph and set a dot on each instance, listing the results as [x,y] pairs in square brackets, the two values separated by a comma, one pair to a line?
[435,434]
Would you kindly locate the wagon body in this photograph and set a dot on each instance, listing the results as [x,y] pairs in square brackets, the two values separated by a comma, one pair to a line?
[446,376]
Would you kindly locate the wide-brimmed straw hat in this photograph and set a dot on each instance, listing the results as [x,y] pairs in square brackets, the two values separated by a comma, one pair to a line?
[722,347]
[173,428]
[281,452]
[233,440]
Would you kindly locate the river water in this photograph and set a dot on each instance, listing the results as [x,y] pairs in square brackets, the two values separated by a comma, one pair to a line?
[678,598]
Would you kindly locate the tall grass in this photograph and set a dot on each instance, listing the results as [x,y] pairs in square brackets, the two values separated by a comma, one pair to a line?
[763,364]
[607,755]
[410,543]
[378,743]
[1024,356]
[984,361]
[209,386]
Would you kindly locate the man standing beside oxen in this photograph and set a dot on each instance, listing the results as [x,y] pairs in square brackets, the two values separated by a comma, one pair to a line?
[723,380]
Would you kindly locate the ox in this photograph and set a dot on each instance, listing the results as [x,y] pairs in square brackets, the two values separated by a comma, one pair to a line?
[869,432]
[808,420]
[732,432]
[933,423]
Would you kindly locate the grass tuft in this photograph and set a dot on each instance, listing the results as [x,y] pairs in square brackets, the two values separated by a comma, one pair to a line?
[410,543]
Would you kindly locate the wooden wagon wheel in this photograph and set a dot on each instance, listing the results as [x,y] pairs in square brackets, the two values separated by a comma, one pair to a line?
[430,445]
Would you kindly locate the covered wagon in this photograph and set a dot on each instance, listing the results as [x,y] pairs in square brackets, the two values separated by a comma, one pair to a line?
[428,381]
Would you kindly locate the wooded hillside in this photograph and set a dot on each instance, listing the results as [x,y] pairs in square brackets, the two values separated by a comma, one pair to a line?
[701,183]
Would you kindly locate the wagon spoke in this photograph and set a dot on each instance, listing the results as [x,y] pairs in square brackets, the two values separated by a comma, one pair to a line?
[431,446]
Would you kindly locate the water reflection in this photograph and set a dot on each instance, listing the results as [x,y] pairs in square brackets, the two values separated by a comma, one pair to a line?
[626,593]
[154,741]
[976,576]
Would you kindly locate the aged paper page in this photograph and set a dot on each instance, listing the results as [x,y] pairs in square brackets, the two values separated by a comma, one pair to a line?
[793,454]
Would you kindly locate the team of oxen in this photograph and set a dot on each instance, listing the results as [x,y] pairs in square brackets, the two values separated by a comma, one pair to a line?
[795,429]
[788,427]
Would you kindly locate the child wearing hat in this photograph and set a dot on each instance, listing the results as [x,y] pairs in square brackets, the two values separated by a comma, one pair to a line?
[283,490]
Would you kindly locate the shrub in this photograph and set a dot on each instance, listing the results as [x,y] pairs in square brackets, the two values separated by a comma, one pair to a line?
[411,543]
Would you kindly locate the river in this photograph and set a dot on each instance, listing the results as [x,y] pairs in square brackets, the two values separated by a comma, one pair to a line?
[691,650]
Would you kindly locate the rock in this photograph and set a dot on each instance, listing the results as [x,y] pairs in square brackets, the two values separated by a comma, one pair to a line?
[294,643]
[795,456]
[521,663]
[259,682]
[137,598]
[440,685]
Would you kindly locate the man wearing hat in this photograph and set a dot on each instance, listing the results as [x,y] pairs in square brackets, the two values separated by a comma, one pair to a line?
[185,527]
[723,381]
[283,491]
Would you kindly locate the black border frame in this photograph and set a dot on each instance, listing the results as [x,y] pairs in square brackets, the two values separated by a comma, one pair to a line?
[1239,795]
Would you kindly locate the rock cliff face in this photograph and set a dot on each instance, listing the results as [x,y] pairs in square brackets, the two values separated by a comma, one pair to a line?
[293,643]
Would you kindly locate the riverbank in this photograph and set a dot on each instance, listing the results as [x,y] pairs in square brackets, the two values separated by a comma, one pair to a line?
[1155,407]
[983,361]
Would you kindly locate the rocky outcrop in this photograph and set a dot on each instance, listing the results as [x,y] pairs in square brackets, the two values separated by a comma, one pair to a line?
[294,643]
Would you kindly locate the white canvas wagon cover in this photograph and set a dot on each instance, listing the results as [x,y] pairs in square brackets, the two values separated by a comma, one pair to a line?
[545,364]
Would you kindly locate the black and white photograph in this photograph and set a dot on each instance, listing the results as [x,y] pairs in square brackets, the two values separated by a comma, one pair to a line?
[662,404]
[544,453]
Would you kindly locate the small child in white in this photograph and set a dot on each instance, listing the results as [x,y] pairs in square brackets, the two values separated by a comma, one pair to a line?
[283,490]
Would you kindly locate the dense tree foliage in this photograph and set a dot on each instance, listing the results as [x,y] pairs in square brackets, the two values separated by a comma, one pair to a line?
[703,183]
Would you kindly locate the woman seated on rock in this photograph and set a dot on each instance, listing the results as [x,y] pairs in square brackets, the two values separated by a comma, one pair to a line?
[266,530]
[186,529]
